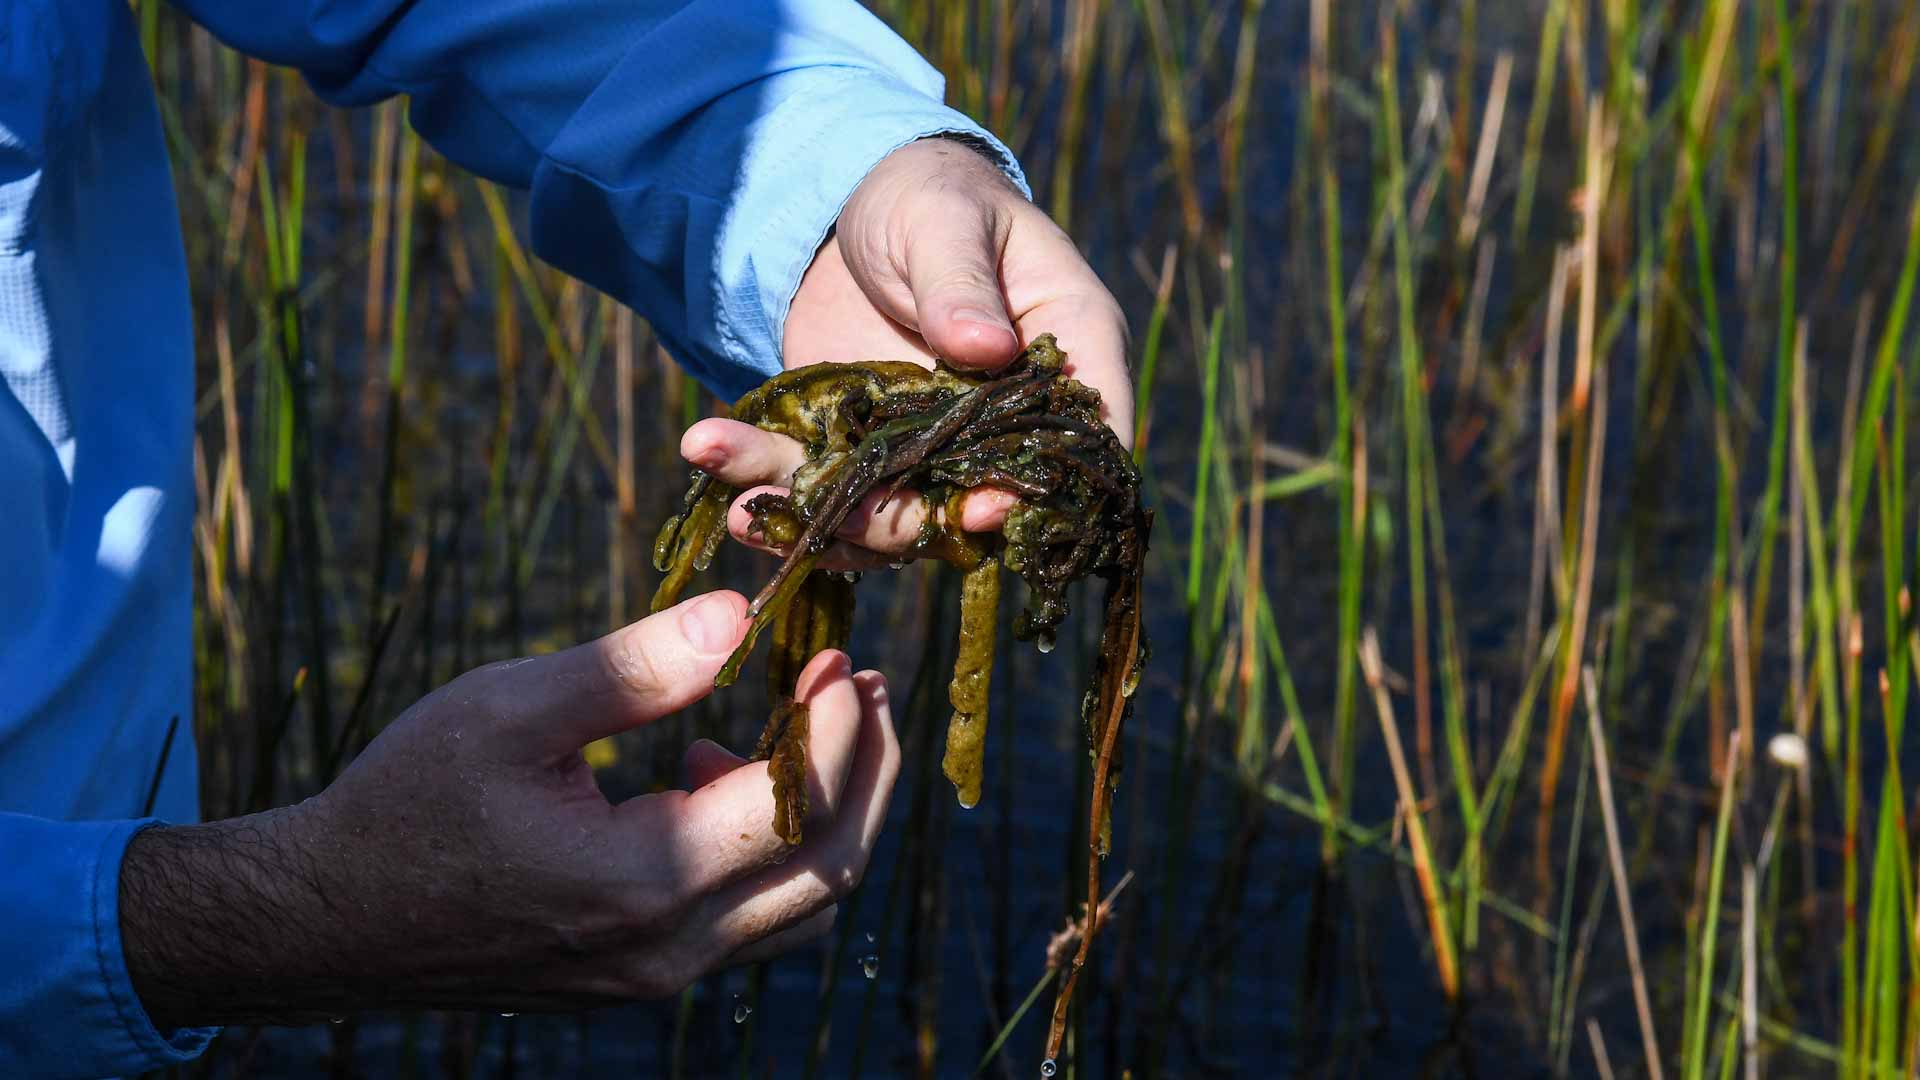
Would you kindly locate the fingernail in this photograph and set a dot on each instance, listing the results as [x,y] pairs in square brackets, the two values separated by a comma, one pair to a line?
[839,667]
[982,318]
[710,624]
[702,448]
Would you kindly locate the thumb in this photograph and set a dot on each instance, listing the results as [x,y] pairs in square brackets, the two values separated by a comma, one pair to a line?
[953,270]
[657,666]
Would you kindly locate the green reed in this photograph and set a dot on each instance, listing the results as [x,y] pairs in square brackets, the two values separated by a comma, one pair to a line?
[1356,406]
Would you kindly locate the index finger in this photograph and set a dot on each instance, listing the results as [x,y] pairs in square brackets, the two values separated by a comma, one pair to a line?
[724,831]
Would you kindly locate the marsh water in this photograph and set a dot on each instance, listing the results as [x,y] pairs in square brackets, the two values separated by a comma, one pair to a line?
[1237,949]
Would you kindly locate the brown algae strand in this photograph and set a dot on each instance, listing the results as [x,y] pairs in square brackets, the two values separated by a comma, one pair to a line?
[965,758]
[686,543]
[784,747]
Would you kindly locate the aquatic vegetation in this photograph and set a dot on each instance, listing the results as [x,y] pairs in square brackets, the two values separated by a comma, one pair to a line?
[888,426]
[1560,314]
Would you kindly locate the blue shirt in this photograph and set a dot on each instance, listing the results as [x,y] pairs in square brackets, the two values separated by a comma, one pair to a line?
[686,157]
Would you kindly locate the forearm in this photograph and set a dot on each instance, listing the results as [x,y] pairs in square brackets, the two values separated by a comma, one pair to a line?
[310,912]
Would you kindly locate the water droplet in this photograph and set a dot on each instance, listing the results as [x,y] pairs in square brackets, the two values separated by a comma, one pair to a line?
[869,937]
[1045,644]
[741,1010]
[508,1016]
[336,1019]
[1048,1068]
[897,564]
[870,965]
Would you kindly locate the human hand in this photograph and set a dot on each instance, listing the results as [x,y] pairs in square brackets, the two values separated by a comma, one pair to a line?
[935,253]
[467,859]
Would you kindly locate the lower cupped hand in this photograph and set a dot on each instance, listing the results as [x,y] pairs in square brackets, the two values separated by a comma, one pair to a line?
[467,859]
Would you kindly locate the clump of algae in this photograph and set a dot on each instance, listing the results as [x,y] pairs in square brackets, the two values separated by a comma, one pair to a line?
[885,426]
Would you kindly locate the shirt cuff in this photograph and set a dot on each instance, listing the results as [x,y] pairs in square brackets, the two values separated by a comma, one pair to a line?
[801,165]
[67,1004]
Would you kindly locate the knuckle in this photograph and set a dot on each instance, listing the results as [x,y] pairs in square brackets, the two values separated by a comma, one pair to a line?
[843,879]
[769,920]
[630,665]
[968,278]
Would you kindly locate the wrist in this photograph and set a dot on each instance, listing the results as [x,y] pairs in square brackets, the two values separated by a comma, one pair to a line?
[231,921]
[987,151]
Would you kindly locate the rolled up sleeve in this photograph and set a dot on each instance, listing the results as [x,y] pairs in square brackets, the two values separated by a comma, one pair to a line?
[67,1005]
[687,158]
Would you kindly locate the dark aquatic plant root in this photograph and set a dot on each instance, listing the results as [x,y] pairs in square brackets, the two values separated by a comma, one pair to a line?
[887,426]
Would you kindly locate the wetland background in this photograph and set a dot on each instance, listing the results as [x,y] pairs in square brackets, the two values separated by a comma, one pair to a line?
[1481,344]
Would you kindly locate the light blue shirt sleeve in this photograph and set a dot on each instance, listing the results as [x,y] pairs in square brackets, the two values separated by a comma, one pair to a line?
[685,157]
[67,1007]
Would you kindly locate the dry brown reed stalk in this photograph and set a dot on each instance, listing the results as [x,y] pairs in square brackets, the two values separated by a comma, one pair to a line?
[1175,129]
[1115,698]
[1588,409]
[1462,428]
[254,119]
[1622,887]
[1895,77]
[1431,894]
[625,499]
[1082,34]
[1601,1064]
[1742,670]
[1240,98]
[241,177]
[1490,125]
[1547,562]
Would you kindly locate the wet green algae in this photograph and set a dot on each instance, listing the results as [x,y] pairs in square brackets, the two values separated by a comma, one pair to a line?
[888,426]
